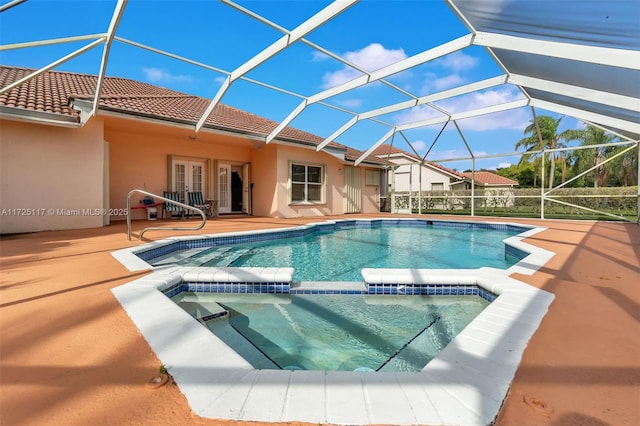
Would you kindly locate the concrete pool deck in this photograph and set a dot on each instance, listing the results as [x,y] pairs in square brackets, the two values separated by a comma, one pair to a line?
[71,355]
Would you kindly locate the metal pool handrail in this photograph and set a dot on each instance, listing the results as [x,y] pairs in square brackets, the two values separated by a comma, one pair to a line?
[166,200]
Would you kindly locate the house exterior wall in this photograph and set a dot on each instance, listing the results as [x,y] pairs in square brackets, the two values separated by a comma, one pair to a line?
[334,183]
[51,178]
[76,171]
[370,195]
[407,178]
[140,152]
[264,177]
[270,175]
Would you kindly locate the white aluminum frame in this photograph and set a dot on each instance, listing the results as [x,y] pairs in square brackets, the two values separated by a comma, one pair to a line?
[613,57]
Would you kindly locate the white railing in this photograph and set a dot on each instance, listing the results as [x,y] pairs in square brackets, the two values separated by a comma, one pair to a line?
[166,200]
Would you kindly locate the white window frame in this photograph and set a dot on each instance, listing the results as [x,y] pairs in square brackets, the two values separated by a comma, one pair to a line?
[188,183]
[437,186]
[306,183]
[372,177]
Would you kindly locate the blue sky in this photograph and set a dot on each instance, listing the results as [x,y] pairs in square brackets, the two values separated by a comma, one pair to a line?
[370,34]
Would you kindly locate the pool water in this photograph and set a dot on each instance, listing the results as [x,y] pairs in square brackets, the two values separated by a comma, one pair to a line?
[344,332]
[340,255]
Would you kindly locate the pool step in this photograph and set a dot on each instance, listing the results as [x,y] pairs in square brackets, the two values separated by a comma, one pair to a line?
[220,257]
[203,311]
[176,256]
[210,256]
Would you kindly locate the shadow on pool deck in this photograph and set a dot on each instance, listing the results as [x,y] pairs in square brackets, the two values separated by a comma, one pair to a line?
[70,354]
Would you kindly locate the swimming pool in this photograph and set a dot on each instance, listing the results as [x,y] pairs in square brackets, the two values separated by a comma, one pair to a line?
[340,254]
[332,332]
[464,384]
[339,251]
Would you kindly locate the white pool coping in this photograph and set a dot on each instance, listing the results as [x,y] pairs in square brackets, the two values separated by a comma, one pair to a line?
[465,384]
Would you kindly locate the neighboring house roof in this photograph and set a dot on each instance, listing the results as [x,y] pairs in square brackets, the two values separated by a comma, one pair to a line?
[389,151]
[486,178]
[53,92]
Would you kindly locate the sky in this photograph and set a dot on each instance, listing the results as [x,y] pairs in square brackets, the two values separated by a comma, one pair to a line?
[370,34]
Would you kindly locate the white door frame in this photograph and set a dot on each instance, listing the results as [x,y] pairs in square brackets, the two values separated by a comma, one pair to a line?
[224,188]
[352,190]
[193,180]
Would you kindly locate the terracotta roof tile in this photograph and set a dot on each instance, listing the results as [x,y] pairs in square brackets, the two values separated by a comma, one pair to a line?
[490,178]
[385,149]
[53,92]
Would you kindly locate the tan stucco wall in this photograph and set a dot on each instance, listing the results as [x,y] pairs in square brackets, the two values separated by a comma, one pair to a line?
[51,178]
[370,195]
[139,156]
[270,168]
[264,177]
[46,167]
[334,183]
[429,176]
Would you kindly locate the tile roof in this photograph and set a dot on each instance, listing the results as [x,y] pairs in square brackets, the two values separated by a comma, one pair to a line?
[489,178]
[54,91]
[385,149]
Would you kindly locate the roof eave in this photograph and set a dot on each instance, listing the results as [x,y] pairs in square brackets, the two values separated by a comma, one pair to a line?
[38,117]
[187,124]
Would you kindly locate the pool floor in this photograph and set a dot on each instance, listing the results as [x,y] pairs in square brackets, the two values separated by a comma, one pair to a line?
[330,332]
[465,384]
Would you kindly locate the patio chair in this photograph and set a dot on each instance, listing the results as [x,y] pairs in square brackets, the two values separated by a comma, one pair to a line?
[197,200]
[173,209]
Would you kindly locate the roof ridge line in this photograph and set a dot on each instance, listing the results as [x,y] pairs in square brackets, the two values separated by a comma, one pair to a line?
[132,96]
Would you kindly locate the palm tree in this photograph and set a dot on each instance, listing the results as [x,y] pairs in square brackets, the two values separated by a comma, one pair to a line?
[622,170]
[586,158]
[549,139]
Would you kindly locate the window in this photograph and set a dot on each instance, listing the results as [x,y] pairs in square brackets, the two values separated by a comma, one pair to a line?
[306,183]
[437,186]
[186,175]
[372,177]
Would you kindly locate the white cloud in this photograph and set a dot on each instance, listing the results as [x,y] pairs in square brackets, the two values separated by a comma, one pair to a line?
[455,65]
[418,113]
[581,125]
[433,83]
[336,78]
[350,103]
[375,56]
[369,58]
[517,119]
[157,75]
[457,62]
[318,56]
[513,119]
[419,146]
[503,165]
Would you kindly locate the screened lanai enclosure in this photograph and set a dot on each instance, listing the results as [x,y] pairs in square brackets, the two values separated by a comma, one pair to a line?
[546,94]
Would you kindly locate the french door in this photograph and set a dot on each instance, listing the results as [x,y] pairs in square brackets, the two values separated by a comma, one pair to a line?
[224,188]
[188,176]
[233,188]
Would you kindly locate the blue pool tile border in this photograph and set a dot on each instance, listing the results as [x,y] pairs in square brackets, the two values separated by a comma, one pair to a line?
[463,394]
[373,289]
[515,252]
[216,241]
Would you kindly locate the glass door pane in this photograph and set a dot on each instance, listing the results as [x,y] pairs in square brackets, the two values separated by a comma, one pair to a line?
[224,188]
[180,179]
[197,178]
